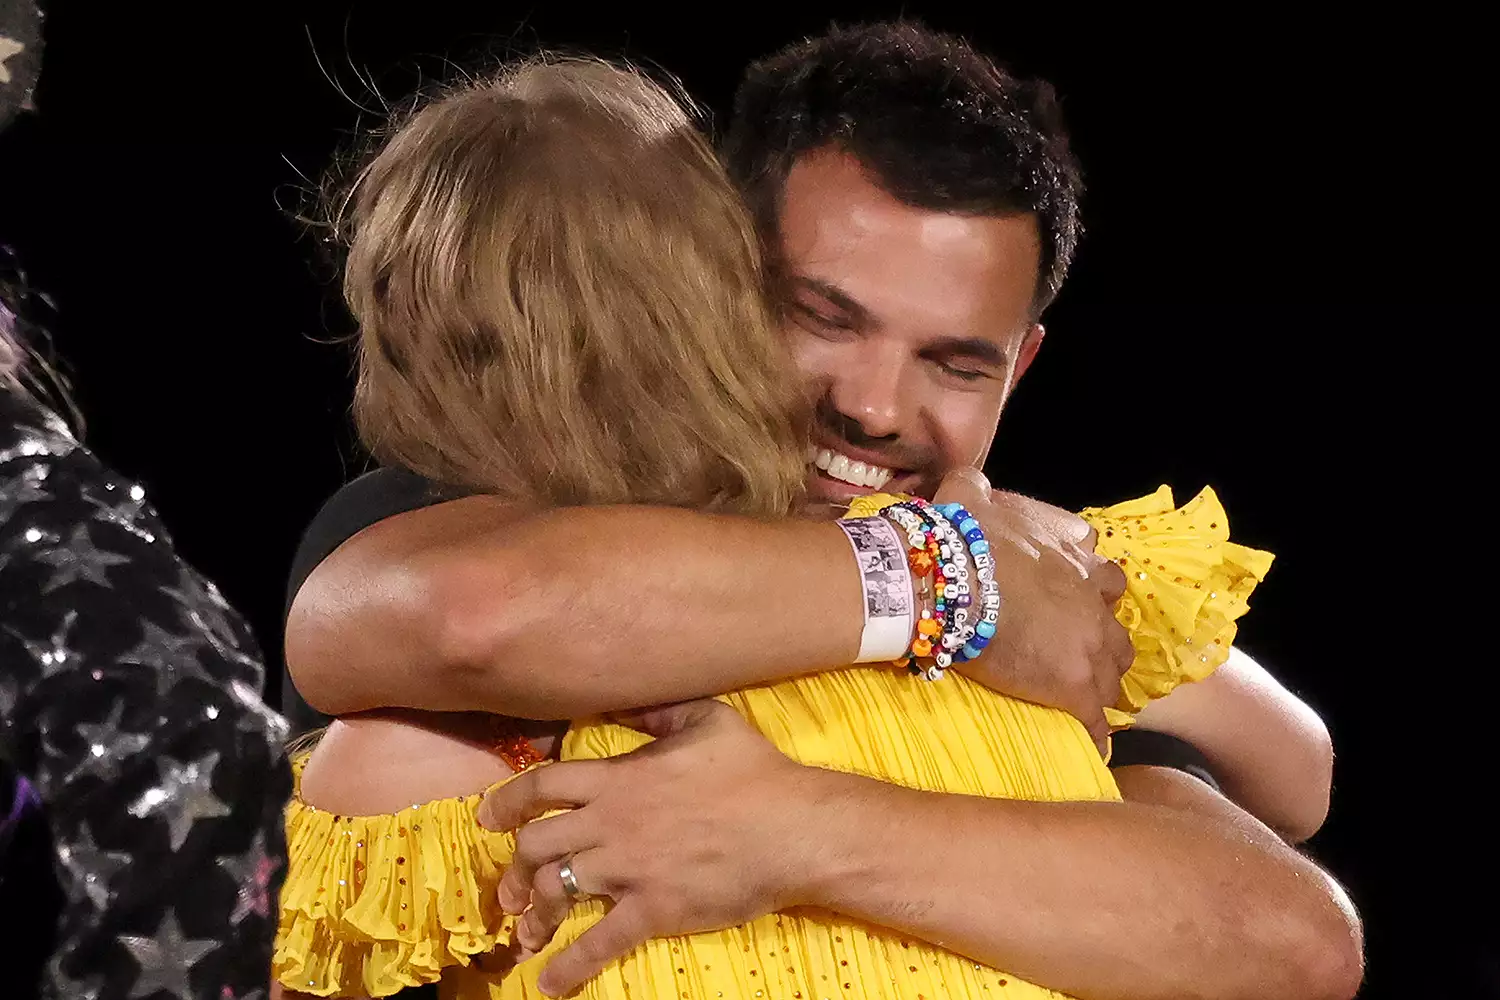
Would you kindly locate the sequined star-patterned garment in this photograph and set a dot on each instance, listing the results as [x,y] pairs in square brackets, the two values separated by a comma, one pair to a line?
[135,740]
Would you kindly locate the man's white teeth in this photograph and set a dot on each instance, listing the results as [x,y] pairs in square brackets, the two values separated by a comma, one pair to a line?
[846,470]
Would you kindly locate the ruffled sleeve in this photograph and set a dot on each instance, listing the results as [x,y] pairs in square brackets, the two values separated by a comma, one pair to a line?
[374,904]
[1186,585]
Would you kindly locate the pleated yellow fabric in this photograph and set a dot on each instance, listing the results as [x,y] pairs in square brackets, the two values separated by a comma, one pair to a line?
[373,904]
[1186,586]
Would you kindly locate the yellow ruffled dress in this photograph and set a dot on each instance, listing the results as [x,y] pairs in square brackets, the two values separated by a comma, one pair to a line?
[374,904]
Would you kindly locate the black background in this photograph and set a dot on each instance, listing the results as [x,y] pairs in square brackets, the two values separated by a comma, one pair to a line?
[1273,254]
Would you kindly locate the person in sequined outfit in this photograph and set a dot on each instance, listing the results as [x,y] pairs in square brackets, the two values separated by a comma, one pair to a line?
[141,775]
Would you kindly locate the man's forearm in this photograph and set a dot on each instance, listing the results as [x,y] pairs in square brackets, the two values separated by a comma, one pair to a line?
[1099,900]
[570,612]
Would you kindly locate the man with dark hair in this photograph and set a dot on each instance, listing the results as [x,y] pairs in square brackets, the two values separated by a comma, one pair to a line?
[921,208]
[941,128]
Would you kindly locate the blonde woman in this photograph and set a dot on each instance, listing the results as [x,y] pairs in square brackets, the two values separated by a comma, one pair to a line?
[561,303]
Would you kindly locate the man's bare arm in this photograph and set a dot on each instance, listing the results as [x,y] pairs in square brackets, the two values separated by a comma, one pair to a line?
[472,604]
[1188,897]
[566,613]
[1268,750]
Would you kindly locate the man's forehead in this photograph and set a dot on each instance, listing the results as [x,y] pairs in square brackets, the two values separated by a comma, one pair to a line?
[845,237]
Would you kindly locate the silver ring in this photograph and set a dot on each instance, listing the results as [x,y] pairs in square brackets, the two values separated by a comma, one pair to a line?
[570,882]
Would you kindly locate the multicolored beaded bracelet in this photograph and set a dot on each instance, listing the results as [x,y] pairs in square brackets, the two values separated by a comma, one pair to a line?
[923,555]
[973,643]
[950,576]
[944,542]
[957,592]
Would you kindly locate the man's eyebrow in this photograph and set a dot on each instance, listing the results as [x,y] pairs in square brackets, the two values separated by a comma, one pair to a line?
[978,348]
[836,297]
[983,351]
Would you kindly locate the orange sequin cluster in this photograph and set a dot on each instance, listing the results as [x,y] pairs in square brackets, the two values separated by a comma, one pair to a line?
[514,748]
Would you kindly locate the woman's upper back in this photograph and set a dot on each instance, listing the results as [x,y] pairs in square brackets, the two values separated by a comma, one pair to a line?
[951,736]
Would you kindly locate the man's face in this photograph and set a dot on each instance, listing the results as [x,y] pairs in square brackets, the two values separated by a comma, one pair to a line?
[910,325]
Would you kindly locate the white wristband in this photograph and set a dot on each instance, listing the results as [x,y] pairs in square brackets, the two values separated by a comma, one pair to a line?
[885,579]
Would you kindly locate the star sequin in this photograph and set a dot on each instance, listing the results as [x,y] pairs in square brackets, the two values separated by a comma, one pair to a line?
[174,657]
[29,487]
[122,508]
[54,655]
[91,866]
[260,720]
[107,746]
[252,872]
[79,559]
[166,960]
[54,441]
[184,796]
[204,607]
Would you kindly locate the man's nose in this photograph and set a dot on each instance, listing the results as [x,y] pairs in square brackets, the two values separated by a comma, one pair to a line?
[869,391]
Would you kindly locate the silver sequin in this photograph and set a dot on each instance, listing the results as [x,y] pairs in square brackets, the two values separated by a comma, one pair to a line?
[252,872]
[90,866]
[166,960]
[184,796]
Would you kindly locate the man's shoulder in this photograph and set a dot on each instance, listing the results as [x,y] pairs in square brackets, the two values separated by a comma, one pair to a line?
[369,499]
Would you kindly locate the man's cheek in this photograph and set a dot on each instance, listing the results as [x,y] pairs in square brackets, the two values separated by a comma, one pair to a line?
[968,434]
[816,359]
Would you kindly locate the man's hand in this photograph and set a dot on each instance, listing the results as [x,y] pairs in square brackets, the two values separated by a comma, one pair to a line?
[686,834]
[1057,642]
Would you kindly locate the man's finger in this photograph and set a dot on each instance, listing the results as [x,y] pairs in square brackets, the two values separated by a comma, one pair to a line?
[1003,535]
[1081,561]
[1123,655]
[550,902]
[1099,733]
[623,929]
[541,790]
[965,486]
[541,842]
[974,479]
[1110,579]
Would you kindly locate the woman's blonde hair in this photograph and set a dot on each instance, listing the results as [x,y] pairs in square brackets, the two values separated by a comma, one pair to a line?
[561,300]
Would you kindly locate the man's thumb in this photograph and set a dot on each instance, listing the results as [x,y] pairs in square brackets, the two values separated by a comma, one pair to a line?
[965,486]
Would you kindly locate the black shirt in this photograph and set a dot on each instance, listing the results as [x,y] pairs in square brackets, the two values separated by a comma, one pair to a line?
[385,493]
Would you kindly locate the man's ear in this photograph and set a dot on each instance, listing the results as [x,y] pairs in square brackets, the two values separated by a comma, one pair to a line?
[1027,354]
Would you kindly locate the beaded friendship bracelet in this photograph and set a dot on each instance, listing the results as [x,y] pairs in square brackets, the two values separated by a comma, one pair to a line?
[954,575]
[924,556]
[947,541]
[971,640]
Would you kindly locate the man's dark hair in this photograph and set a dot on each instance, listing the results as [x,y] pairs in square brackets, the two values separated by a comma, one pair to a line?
[938,123]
